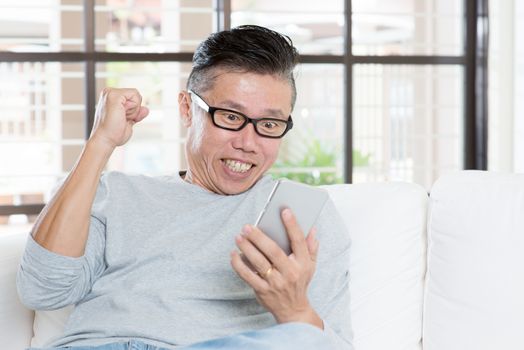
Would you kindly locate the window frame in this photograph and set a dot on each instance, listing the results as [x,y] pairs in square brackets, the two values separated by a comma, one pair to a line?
[473,60]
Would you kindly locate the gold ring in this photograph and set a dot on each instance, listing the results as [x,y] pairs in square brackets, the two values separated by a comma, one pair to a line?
[267,273]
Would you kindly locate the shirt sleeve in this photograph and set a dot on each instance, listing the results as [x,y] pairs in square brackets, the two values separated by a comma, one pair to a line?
[329,288]
[49,281]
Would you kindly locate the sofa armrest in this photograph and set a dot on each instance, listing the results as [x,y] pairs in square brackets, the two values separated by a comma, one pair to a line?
[475,280]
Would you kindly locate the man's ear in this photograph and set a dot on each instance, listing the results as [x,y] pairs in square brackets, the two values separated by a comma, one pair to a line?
[184,107]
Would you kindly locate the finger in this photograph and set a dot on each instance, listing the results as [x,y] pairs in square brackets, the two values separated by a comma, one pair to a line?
[246,261]
[140,115]
[295,234]
[311,240]
[132,100]
[133,105]
[315,252]
[144,112]
[252,254]
[245,273]
[269,248]
[132,109]
[132,94]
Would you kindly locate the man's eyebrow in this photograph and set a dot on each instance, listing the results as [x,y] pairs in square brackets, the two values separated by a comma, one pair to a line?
[228,104]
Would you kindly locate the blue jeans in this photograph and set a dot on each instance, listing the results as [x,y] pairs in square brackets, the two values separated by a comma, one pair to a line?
[287,336]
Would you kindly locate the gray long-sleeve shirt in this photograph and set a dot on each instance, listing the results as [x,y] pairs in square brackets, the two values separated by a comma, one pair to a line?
[157,267]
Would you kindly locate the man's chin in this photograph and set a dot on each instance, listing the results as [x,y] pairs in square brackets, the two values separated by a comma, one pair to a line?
[232,188]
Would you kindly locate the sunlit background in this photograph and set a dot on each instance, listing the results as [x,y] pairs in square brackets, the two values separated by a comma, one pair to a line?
[407,119]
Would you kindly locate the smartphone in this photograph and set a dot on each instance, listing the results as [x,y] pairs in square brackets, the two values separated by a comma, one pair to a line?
[305,202]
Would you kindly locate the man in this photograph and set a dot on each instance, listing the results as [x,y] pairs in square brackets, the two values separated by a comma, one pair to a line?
[156,262]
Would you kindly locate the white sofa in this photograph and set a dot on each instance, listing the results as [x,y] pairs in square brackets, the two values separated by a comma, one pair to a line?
[438,273]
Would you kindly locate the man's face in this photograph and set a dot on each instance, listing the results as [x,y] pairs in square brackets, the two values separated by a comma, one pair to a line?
[225,161]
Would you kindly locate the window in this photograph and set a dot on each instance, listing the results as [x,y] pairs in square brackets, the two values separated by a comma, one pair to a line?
[385,88]
[407,121]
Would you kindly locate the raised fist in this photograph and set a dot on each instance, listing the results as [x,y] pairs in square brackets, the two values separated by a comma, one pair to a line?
[116,113]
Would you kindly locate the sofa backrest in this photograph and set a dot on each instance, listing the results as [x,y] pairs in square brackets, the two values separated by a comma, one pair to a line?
[474,296]
[474,285]
[16,322]
[387,227]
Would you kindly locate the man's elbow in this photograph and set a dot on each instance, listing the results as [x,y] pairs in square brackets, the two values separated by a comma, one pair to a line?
[34,295]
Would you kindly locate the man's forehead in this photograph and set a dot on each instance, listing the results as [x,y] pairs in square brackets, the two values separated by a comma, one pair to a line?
[245,91]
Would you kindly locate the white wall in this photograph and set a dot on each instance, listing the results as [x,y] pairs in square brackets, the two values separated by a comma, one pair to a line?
[518,134]
[506,86]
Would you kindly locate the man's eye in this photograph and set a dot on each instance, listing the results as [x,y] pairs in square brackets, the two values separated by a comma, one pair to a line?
[233,117]
[269,125]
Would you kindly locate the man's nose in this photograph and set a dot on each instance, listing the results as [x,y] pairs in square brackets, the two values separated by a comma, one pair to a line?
[246,138]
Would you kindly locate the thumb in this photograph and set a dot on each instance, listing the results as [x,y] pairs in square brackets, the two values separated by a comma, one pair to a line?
[142,113]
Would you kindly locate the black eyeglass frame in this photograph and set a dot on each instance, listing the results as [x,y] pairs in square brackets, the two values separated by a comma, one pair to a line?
[211,110]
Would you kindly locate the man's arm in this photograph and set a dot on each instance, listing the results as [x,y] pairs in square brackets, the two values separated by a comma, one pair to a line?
[63,225]
[64,256]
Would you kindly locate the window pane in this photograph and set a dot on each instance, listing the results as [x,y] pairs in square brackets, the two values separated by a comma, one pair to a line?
[156,145]
[407,27]
[41,129]
[312,152]
[407,122]
[314,27]
[40,25]
[152,26]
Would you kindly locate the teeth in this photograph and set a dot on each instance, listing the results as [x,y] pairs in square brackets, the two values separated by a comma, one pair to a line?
[237,166]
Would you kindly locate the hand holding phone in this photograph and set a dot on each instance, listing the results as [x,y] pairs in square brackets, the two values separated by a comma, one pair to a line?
[306,203]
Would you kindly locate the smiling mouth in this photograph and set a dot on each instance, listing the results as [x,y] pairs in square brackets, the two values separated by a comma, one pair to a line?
[237,166]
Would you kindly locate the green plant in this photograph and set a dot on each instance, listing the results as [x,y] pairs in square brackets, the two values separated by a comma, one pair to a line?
[315,164]
[360,159]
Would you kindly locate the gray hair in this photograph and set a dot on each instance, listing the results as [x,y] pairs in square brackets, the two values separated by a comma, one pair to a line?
[247,48]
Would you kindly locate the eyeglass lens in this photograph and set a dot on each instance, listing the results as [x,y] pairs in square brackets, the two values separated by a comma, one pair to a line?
[234,121]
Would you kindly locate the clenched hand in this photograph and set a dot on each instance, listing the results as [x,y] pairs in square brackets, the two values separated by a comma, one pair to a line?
[116,113]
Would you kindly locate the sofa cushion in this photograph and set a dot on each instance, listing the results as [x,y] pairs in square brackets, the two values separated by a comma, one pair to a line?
[16,322]
[49,325]
[475,281]
[387,226]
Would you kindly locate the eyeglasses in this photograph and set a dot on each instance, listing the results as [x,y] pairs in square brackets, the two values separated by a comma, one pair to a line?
[232,120]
